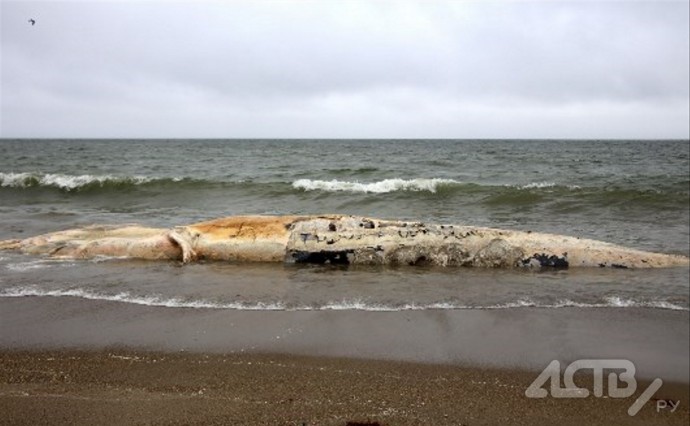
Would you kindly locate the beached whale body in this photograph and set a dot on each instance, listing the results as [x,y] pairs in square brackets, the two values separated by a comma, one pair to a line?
[340,240]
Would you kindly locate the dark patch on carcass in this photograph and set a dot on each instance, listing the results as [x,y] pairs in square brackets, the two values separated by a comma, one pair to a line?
[339,257]
[420,261]
[613,265]
[546,261]
[367,224]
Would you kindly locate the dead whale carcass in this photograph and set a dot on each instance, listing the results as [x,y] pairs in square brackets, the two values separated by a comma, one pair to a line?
[340,239]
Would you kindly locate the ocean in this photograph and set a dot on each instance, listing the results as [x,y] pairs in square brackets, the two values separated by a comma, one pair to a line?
[632,193]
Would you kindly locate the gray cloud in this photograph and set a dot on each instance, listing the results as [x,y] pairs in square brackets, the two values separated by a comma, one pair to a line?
[345,69]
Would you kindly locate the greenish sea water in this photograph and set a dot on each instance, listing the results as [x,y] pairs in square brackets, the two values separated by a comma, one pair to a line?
[633,193]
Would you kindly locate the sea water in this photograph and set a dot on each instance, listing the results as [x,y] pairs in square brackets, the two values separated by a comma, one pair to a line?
[632,193]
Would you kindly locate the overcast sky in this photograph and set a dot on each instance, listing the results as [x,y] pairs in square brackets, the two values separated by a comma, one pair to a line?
[345,69]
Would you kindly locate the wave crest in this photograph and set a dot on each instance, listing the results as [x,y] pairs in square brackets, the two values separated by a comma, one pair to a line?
[67,182]
[544,185]
[380,187]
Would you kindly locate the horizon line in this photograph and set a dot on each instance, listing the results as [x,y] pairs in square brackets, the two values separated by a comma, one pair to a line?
[352,139]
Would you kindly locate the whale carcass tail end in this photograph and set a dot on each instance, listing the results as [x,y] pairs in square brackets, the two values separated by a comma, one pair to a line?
[10,244]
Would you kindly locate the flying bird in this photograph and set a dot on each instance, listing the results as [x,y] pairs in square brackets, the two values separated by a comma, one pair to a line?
[32,21]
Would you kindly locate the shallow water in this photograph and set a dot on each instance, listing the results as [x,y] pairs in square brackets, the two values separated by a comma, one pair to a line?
[634,193]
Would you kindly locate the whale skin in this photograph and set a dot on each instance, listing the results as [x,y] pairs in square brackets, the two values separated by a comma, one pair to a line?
[340,239]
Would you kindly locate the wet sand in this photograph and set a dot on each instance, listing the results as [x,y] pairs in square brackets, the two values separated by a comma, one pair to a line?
[656,341]
[72,361]
[128,387]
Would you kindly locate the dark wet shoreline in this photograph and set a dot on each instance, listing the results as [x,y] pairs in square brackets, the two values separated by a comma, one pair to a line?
[655,340]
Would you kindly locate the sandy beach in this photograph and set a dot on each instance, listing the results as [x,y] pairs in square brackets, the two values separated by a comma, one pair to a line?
[137,387]
[70,361]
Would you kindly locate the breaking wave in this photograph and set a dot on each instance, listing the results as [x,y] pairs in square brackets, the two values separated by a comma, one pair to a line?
[70,182]
[107,182]
[342,305]
[490,194]
[125,297]
[380,187]
[542,185]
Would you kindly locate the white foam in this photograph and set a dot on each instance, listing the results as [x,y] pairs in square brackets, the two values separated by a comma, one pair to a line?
[630,303]
[520,303]
[542,185]
[66,182]
[619,303]
[14,179]
[125,297]
[537,185]
[380,187]
[27,266]
[356,305]
[345,305]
